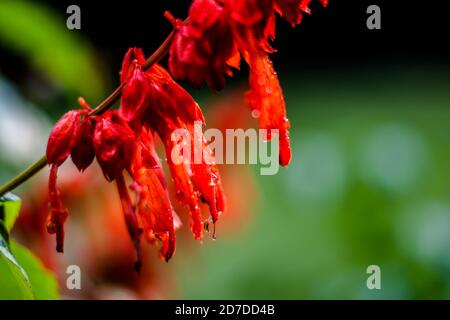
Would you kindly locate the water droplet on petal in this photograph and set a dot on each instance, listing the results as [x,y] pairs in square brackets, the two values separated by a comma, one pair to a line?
[256,113]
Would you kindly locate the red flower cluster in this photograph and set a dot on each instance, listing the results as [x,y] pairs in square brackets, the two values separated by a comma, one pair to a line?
[218,32]
[122,141]
[205,48]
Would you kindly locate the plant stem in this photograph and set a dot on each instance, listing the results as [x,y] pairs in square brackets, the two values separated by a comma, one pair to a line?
[102,107]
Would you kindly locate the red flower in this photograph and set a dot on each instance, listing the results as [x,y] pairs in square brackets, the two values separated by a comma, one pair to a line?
[83,152]
[59,146]
[204,49]
[266,99]
[252,30]
[122,141]
[113,143]
[62,137]
[163,107]
[153,205]
[255,17]
[135,96]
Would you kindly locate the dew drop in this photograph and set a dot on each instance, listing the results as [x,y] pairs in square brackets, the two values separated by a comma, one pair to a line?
[256,113]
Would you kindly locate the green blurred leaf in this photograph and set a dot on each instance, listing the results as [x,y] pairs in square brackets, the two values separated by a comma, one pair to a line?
[43,282]
[9,210]
[16,283]
[37,33]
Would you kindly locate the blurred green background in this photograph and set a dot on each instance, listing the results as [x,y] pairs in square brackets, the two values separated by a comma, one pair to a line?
[368,185]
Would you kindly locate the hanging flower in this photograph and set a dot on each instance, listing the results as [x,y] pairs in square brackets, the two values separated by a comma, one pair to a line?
[164,107]
[113,143]
[59,147]
[217,33]
[153,204]
[83,152]
[204,49]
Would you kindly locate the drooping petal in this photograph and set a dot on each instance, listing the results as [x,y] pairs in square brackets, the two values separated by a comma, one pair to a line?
[205,175]
[153,206]
[266,98]
[58,214]
[185,190]
[130,219]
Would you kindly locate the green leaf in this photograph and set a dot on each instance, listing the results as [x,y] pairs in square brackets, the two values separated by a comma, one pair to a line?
[22,275]
[14,281]
[43,281]
[9,210]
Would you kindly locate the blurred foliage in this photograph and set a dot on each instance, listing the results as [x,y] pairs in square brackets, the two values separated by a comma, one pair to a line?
[9,210]
[35,32]
[22,274]
[369,184]
[43,282]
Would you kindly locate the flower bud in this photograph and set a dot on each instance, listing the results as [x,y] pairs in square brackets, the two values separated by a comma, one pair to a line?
[62,137]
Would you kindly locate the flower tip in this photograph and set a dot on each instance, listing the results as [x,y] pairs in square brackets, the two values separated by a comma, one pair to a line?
[284,158]
[51,227]
[84,104]
[169,16]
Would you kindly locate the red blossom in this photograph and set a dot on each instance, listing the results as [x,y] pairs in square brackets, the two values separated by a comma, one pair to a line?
[265,96]
[136,94]
[62,137]
[255,17]
[153,205]
[204,49]
[216,35]
[169,107]
[113,143]
[83,152]
[266,99]
[215,29]
[59,146]
[191,185]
